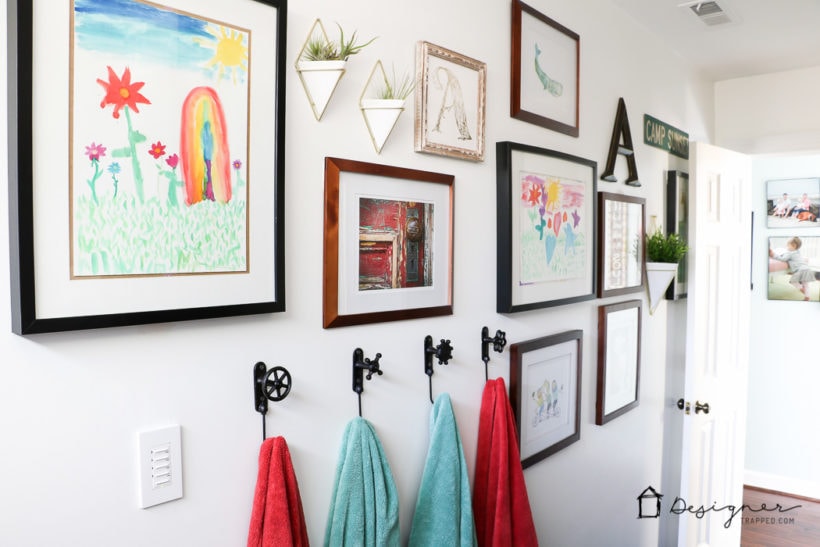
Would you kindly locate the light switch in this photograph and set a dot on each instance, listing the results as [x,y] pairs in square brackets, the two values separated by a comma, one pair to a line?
[160,464]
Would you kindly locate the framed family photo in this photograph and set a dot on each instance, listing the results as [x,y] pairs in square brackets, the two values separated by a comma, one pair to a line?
[545,393]
[450,103]
[546,227]
[619,359]
[388,249]
[621,251]
[794,268]
[146,161]
[793,203]
[544,83]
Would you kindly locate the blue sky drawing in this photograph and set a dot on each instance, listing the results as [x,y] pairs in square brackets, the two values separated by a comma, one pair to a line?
[140,31]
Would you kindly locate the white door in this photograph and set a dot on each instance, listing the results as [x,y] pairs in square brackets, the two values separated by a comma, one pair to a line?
[717,346]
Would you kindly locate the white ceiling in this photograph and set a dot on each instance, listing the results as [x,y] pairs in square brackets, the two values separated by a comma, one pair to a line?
[763,35]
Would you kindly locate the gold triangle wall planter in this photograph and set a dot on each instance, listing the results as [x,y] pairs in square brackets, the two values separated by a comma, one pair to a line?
[319,78]
[380,115]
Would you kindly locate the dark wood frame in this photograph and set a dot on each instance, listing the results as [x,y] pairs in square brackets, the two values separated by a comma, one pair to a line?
[331,316]
[516,111]
[603,238]
[600,400]
[517,388]
[677,189]
[25,320]
[505,197]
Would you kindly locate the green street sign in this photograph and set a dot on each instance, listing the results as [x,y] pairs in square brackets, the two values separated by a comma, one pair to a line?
[662,135]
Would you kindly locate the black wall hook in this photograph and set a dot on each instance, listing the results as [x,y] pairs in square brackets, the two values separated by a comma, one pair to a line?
[498,341]
[269,385]
[443,352]
[360,364]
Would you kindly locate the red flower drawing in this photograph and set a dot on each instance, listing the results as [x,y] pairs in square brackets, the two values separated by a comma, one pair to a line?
[120,92]
[172,161]
[157,150]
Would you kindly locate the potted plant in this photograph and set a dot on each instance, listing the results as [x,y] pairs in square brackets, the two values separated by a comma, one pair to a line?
[321,64]
[382,102]
[663,254]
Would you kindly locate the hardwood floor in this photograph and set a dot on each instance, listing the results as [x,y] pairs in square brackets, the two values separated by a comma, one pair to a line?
[787,526]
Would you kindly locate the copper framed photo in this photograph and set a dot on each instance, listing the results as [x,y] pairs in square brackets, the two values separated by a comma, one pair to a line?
[388,249]
[621,247]
[450,103]
[544,83]
[545,393]
[619,359]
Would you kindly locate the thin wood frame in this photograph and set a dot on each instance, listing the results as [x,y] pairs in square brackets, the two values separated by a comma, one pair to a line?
[621,244]
[345,302]
[619,360]
[677,222]
[562,113]
[456,85]
[545,377]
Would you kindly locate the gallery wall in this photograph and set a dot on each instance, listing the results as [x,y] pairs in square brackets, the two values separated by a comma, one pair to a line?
[72,404]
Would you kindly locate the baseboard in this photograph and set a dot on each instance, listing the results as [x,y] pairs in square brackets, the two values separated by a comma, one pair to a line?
[778,483]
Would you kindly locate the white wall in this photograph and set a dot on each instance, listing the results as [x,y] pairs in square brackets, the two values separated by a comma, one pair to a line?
[71,404]
[770,113]
[781,436]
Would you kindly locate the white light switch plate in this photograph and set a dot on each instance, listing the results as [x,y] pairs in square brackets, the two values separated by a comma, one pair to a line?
[160,465]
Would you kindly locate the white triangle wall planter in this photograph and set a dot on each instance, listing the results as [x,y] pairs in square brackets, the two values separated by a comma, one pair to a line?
[380,116]
[658,277]
[320,78]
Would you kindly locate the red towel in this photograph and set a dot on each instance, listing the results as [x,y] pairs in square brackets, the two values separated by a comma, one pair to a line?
[500,504]
[277,518]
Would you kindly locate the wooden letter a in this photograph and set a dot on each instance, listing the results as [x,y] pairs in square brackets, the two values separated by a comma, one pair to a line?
[621,128]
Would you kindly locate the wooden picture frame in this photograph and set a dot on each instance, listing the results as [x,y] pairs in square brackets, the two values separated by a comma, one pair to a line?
[619,359]
[677,222]
[544,82]
[450,103]
[388,248]
[622,244]
[545,393]
[546,227]
[106,235]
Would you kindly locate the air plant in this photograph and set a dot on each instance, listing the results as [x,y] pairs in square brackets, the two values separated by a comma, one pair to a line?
[395,87]
[318,48]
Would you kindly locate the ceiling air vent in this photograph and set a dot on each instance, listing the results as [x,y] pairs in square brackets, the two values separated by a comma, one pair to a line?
[710,13]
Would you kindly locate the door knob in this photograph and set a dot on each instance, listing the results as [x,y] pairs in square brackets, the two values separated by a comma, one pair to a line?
[701,407]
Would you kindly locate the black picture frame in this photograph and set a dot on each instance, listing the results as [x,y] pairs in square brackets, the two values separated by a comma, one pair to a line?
[27,278]
[545,383]
[567,219]
[622,244]
[677,222]
[619,359]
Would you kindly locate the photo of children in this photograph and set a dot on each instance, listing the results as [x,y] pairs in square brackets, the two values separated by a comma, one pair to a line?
[794,268]
[793,203]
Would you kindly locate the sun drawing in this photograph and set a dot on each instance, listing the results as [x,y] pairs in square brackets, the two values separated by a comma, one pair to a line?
[230,51]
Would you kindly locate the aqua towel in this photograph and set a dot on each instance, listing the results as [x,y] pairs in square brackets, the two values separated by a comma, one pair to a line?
[444,511]
[364,508]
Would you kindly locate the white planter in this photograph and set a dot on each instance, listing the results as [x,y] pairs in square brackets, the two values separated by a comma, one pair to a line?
[658,277]
[380,116]
[320,78]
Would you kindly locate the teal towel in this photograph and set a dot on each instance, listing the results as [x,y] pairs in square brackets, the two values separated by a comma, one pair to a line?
[364,509]
[444,510]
